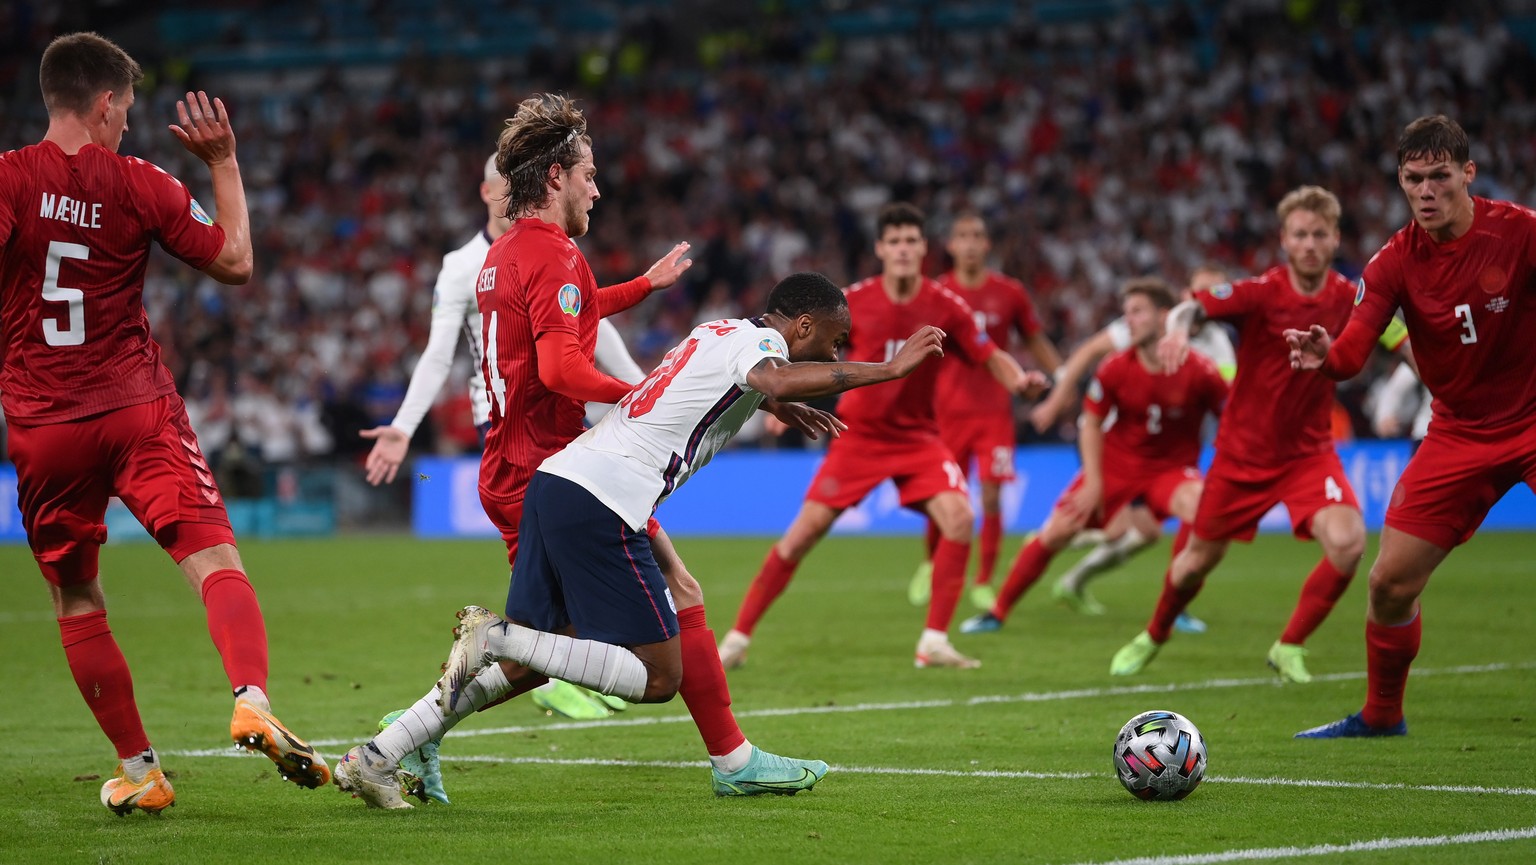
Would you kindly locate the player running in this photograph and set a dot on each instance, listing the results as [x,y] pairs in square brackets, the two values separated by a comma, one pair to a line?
[1150,453]
[93,411]
[1274,443]
[1464,274]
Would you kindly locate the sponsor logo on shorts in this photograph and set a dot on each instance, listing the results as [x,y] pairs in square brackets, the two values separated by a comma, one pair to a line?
[1221,290]
[570,299]
[199,214]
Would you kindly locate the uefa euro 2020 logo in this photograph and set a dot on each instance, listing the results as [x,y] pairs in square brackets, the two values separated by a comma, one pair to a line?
[570,299]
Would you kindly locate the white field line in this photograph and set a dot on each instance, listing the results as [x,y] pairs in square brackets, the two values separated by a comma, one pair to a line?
[1033,697]
[1010,774]
[1257,854]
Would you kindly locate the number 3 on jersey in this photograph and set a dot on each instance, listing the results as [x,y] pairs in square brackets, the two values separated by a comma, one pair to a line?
[1463,312]
[73,333]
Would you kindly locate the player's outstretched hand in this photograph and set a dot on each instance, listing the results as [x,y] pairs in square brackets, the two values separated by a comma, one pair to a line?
[1044,416]
[927,342]
[204,129]
[813,422]
[1173,350]
[1309,348]
[1031,384]
[389,447]
[669,268]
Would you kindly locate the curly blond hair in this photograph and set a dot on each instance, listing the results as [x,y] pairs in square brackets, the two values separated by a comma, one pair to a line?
[548,129]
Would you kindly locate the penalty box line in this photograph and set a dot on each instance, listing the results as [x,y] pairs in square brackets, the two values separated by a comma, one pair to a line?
[1031,697]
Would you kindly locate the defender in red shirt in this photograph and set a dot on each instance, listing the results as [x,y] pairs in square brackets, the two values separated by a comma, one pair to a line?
[94,413]
[1149,455]
[1464,274]
[893,433]
[975,412]
[1274,443]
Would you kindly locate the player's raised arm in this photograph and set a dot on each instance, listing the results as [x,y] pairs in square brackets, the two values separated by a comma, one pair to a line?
[206,133]
[663,274]
[797,382]
[1083,359]
[1173,349]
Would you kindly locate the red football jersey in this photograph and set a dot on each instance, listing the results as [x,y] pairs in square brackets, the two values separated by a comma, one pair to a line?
[904,407]
[75,233]
[535,281]
[1157,416]
[1001,307]
[1275,415]
[1470,308]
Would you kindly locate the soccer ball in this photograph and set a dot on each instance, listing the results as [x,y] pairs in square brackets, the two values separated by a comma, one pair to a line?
[1160,755]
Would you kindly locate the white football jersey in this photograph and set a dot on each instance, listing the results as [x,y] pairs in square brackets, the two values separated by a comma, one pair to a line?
[1210,340]
[674,422]
[453,312]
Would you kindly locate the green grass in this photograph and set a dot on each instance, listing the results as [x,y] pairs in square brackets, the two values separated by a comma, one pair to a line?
[359,626]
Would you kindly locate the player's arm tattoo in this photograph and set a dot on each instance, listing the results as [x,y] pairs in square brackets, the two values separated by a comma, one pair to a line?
[841,377]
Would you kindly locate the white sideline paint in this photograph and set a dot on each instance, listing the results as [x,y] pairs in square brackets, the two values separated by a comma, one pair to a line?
[1035,697]
[1261,853]
[1011,774]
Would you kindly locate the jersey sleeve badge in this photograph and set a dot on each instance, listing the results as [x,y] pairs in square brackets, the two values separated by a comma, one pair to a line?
[773,346]
[1222,290]
[1095,390]
[570,299]
[199,214]
[1359,291]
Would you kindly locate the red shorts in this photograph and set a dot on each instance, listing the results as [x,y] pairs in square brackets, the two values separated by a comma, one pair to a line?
[1237,495]
[854,466]
[986,438]
[1153,488]
[146,455]
[1455,477]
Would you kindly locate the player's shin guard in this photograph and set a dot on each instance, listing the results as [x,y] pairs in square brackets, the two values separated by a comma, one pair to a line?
[770,582]
[101,674]
[236,626]
[991,539]
[1389,652]
[931,539]
[1173,600]
[949,560]
[1323,588]
[1030,563]
[703,688]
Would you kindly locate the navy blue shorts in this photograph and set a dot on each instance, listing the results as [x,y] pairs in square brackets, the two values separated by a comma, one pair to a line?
[579,564]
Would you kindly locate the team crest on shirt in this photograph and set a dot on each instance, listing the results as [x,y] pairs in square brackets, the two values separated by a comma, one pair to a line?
[770,346]
[1359,291]
[1221,290]
[570,299]
[199,214]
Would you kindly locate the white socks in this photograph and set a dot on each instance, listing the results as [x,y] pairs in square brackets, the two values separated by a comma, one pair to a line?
[137,766]
[735,761]
[255,696]
[1105,556]
[425,722]
[603,667]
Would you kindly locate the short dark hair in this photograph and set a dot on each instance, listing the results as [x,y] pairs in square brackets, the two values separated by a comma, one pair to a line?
[548,129]
[1153,288]
[1434,136]
[806,292]
[898,213]
[81,66]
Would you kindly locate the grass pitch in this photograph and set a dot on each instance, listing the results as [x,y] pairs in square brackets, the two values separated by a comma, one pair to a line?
[1008,763]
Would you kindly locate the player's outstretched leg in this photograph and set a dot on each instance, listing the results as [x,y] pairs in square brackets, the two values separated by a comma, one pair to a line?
[769,773]
[368,775]
[733,649]
[253,727]
[138,784]
[421,771]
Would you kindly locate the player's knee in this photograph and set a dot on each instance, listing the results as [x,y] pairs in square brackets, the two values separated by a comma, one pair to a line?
[1392,595]
[661,684]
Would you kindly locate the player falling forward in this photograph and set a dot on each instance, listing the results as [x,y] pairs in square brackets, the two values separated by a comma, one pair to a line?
[540,308]
[1149,455]
[892,433]
[93,411]
[1464,274]
[1274,443]
[1134,528]
[975,412]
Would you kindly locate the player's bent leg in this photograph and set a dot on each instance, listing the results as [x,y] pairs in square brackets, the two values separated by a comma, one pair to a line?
[951,511]
[1183,580]
[1340,530]
[990,542]
[1182,504]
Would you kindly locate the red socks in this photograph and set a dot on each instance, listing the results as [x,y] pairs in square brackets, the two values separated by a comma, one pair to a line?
[703,688]
[1031,562]
[766,587]
[991,541]
[949,559]
[235,623]
[1173,600]
[1389,652]
[1323,588]
[101,674]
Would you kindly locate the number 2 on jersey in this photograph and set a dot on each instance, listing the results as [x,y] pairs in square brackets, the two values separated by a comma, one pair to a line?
[73,333]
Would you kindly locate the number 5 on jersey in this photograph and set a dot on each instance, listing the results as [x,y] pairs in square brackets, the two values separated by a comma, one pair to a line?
[73,333]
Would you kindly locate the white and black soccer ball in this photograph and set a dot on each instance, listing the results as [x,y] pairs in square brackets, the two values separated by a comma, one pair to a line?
[1160,755]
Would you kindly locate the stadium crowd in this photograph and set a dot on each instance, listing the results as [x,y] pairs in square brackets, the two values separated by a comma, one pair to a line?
[1146,143]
